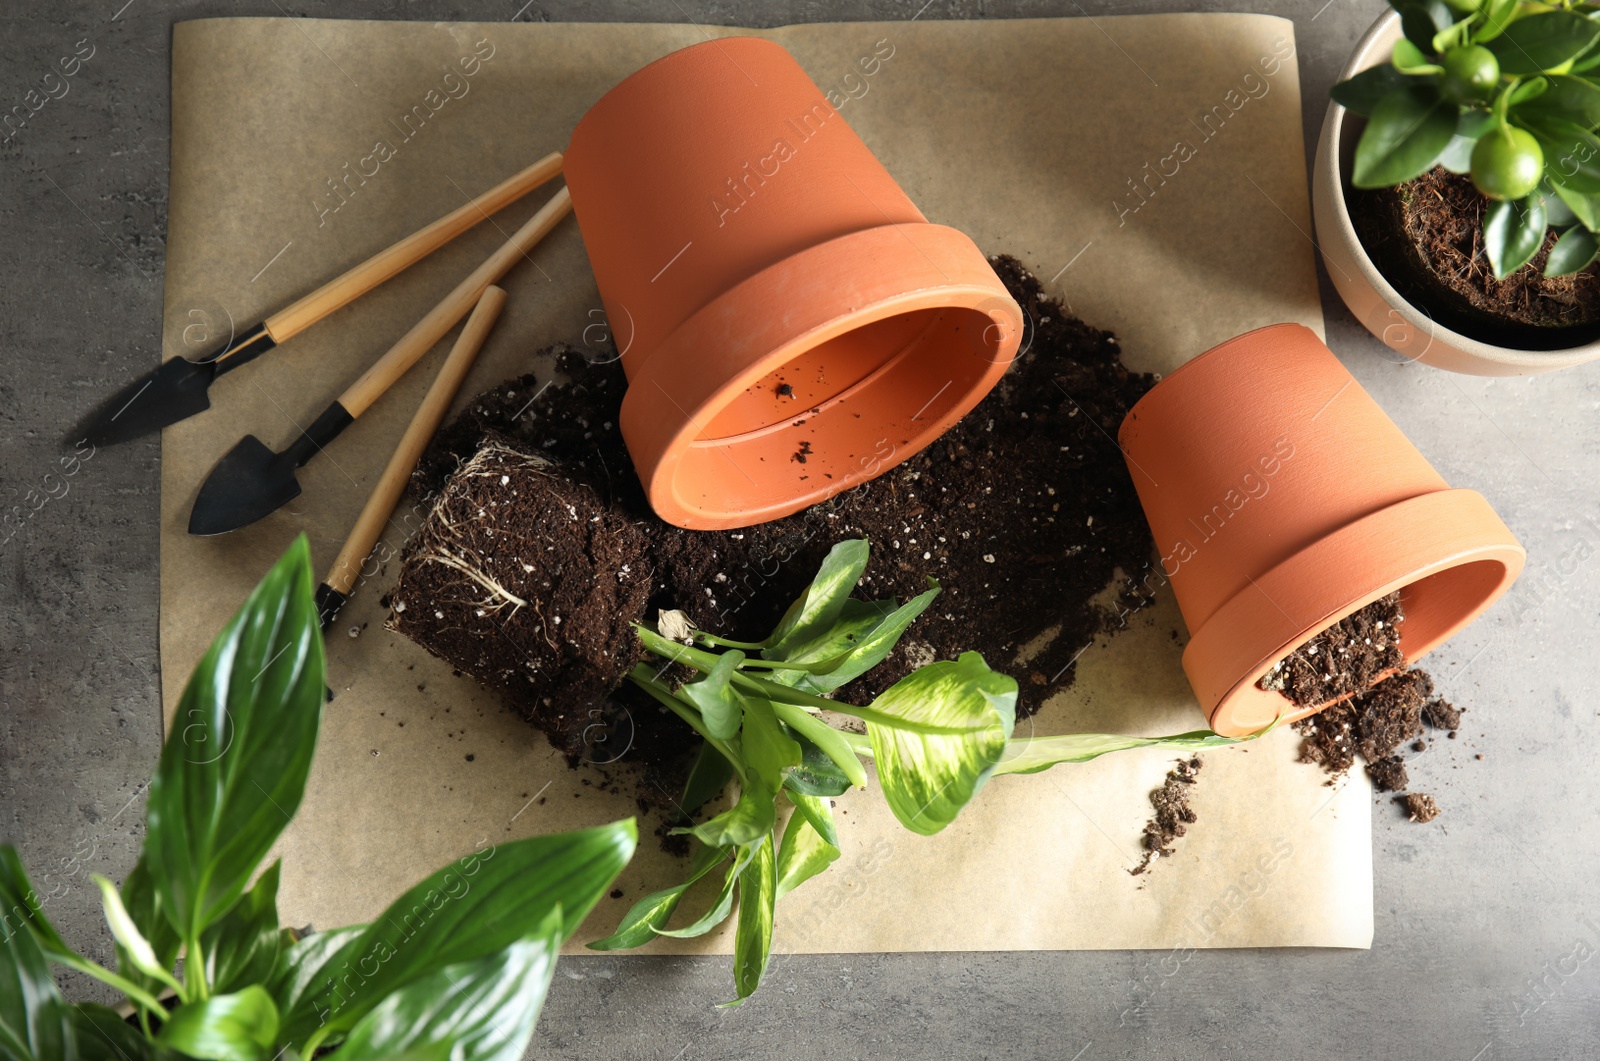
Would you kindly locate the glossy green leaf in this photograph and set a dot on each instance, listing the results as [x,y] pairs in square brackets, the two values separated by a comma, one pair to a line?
[1457,157]
[234,766]
[1496,15]
[1586,208]
[779,694]
[1422,20]
[817,811]
[21,910]
[927,779]
[1030,755]
[20,906]
[1513,232]
[825,738]
[1543,41]
[479,1010]
[129,939]
[768,750]
[722,906]
[708,776]
[468,910]
[143,903]
[1405,136]
[714,698]
[804,853]
[1576,248]
[35,1021]
[872,646]
[1573,99]
[244,946]
[817,774]
[1362,93]
[751,816]
[1557,213]
[1528,91]
[818,606]
[752,940]
[768,754]
[242,1026]
[647,917]
[103,1035]
[1411,60]
[1585,64]
[828,649]
[304,964]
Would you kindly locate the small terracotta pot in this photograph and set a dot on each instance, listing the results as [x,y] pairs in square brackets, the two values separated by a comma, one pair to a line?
[1406,328]
[1282,499]
[790,324]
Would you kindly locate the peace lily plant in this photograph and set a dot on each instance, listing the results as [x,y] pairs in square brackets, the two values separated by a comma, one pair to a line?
[937,736]
[1507,92]
[456,968]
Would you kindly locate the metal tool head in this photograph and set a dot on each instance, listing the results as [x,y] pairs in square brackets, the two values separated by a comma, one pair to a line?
[329,601]
[173,392]
[250,482]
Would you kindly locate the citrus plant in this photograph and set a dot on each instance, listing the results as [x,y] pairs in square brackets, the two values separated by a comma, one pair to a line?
[1505,91]
[456,968]
[936,736]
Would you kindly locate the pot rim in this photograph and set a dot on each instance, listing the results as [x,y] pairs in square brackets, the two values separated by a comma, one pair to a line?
[1413,540]
[667,408]
[1328,161]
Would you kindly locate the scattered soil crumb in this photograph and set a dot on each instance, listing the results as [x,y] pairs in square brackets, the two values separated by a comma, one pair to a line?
[1442,714]
[1173,814]
[1419,806]
[1345,658]
[1375,725]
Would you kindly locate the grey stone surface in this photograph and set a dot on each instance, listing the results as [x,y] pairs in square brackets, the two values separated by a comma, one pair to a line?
[1477,914]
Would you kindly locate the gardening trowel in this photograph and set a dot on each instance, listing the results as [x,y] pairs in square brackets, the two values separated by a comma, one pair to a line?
[177,390]
[252,480]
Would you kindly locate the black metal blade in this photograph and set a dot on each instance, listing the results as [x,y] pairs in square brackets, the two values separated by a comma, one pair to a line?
[329,601]
[250,482]
[173,392]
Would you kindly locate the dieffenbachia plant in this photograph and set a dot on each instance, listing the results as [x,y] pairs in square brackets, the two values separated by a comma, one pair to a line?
[456,968]
[1506,91]
[936,736]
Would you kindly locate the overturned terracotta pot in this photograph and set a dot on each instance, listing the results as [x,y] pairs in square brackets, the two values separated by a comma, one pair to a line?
[1282,499]
[789,322]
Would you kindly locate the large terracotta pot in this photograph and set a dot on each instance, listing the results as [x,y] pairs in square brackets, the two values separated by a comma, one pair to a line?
[1383,311]
[1282,499]
[790,324]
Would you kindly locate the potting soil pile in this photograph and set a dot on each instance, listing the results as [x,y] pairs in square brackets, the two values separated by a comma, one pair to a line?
[1024,513]
[1114,188]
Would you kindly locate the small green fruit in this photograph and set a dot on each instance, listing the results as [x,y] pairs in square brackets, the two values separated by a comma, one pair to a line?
[1470,73]
[1507,163]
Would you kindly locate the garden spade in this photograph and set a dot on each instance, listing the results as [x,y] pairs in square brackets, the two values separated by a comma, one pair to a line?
[178,389]
[252,480]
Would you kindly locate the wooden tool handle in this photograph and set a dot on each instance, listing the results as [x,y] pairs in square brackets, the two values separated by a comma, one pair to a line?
[345,289]
[392,483]
[430,329]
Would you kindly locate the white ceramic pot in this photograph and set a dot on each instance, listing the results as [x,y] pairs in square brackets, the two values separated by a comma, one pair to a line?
[1406,329]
